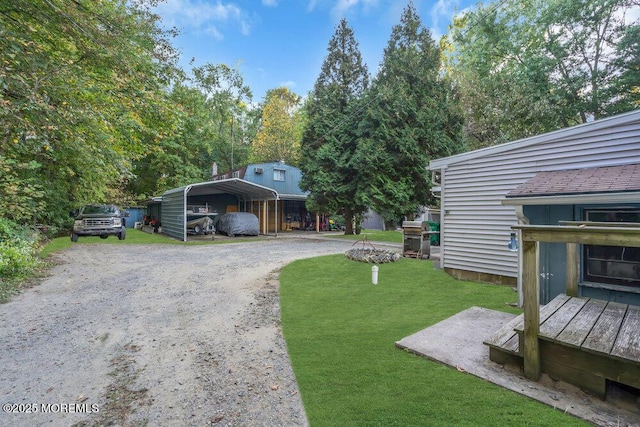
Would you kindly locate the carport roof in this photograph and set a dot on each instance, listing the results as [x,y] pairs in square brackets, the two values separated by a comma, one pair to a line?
[245,189]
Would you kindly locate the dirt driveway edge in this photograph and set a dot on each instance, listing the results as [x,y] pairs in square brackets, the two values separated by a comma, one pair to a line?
[154,335]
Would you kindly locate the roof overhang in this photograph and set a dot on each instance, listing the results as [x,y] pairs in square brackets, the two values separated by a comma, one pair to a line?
[575,199]
[243,189]
[632,117]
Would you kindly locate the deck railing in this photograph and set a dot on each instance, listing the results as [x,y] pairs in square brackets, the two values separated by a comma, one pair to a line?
[572,234]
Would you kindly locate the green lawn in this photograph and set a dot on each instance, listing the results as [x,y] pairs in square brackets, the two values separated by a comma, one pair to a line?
[373,235]
[340,332]
[134,237]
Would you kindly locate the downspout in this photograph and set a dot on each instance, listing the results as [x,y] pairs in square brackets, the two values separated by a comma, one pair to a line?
[522,220]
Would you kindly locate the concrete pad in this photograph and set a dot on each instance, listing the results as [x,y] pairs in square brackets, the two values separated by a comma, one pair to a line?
[458,342]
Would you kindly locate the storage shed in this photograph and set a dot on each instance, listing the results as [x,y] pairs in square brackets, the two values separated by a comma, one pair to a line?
[476,222]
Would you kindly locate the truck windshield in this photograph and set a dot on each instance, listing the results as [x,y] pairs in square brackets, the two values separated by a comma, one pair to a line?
[99,209]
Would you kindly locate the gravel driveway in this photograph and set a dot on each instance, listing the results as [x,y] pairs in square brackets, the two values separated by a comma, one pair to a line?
[154,335]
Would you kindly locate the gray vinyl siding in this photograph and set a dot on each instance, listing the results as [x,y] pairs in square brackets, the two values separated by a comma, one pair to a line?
[173,212]
[476,226]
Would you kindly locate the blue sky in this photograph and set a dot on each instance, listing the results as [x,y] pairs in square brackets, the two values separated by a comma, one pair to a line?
[284,42]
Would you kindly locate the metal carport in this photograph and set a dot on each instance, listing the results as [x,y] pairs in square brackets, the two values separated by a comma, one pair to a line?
[174,202]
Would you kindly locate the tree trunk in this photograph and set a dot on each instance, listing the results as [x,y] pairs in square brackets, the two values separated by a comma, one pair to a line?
[348,221]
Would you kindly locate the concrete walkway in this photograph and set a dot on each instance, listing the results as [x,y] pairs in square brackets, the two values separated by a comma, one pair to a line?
[458,342]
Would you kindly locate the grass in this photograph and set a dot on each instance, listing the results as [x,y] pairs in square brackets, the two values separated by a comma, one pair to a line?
[340,332]
[134,236]
[373,235]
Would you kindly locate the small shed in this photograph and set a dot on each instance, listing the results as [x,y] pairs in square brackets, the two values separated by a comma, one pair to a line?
[595,195]
[476,224]
[211,198]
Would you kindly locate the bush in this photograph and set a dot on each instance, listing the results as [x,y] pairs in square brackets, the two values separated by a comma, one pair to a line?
[18,256]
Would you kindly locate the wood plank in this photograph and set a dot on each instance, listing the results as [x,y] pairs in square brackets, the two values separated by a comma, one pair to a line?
[504,334]
[513,345]
[561,318]
[531,294]
[545,311]
[577,330]
[627,345]
[571,365]
[573,269]
[607,236]
[604,332]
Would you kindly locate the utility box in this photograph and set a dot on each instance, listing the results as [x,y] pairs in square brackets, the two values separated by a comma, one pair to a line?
[416,239]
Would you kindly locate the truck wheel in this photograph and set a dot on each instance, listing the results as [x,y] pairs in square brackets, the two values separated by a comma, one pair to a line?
[74,237]
[197,229]
[122,234]
[104,236]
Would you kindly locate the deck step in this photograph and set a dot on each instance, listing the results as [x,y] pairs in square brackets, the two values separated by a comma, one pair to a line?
[506,338]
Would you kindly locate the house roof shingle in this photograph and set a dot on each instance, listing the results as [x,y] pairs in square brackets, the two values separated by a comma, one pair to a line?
[611,179]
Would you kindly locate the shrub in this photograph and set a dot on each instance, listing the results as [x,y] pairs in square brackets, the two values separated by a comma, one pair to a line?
[18,256]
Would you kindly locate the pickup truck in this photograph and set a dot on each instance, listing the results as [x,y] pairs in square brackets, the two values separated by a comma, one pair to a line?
[99,220]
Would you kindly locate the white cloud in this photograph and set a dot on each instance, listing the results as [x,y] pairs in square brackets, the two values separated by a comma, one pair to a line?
[441,15]
[198,14]
[342,7]
[213,31]
[288,83]
[270,3]
[245,28]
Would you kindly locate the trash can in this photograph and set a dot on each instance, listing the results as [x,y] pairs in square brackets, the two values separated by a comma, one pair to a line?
[435,237]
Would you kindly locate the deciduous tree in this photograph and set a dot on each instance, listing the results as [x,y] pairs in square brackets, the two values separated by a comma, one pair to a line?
[527,67]
[78,82]
[280,131]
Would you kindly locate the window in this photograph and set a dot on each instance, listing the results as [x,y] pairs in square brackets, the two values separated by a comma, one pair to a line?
[278,175]
[236,174]
[612,264]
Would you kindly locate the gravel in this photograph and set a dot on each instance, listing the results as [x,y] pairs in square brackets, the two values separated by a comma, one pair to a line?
[154,335]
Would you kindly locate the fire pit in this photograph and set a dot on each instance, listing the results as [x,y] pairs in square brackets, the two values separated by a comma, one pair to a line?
[371,254]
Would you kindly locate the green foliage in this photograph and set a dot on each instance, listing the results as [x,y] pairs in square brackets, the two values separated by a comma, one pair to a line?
[330,141]
[18,256]
[340,332]
[280,131]
[79,84]
[227,98]
[410,120]
[525,68]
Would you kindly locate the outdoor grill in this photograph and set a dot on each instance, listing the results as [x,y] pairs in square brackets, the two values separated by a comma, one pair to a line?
[416,239]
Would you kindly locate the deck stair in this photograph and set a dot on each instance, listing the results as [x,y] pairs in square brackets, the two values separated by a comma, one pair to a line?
[582,341]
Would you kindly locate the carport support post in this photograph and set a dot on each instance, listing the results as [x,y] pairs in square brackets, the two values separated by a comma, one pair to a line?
[264,216]
[317,222]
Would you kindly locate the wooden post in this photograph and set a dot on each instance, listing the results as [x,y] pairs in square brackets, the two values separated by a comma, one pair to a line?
[317,223]
[573,269]
[531,309]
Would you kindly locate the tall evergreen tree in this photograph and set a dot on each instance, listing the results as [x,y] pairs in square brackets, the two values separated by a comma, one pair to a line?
[411,118]
[330,141]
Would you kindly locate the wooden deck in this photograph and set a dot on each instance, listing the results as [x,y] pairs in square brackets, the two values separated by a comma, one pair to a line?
[582,341]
